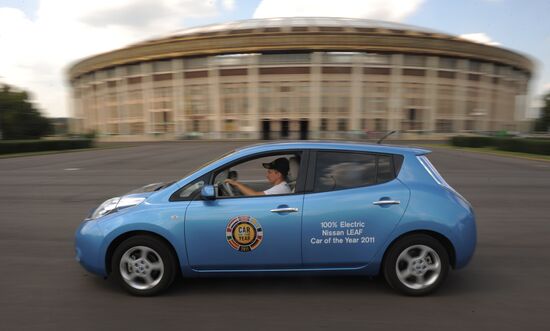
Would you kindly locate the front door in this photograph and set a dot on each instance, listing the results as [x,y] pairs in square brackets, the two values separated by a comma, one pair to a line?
[262,232]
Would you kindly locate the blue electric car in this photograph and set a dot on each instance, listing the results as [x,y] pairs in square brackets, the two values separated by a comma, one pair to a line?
[346,208]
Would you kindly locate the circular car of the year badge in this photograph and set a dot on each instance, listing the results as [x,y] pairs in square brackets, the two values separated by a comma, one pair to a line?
[244,233]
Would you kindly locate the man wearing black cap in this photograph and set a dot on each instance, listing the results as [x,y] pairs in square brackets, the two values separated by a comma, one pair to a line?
[277,171]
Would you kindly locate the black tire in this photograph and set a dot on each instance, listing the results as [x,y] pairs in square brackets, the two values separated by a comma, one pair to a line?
[143,265]
[407,272]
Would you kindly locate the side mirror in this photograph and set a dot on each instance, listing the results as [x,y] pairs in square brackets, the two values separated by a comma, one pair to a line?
[208,192]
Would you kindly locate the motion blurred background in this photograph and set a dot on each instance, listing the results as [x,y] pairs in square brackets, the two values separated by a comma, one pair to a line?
[175,69]
[139,75]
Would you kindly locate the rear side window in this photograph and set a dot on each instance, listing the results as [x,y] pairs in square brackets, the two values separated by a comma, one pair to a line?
[339,170]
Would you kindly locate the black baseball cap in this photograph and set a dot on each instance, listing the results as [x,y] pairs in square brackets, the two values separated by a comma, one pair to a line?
[280,164]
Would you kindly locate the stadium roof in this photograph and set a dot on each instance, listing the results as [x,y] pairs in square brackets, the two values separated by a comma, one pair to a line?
[289,22]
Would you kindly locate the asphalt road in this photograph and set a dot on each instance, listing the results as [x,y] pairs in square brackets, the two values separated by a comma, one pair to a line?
[43,199]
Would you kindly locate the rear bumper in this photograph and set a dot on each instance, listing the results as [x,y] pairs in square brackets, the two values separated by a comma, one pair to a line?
[467,240]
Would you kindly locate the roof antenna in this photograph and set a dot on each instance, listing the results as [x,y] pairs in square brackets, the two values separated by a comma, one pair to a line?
[385,136]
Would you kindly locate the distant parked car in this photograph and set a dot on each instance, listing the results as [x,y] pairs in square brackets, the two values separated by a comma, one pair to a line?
[345,208]
[193,135]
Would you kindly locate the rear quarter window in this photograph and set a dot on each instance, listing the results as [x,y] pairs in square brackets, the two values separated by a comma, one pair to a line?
[386,171]
[429,167]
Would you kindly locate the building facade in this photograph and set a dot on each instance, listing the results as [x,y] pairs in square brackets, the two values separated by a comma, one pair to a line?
[300,78]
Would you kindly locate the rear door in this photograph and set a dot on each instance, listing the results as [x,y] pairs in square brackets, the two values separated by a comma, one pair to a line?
[353,205]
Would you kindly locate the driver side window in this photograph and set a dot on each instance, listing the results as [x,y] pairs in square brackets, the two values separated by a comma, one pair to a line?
[252,174]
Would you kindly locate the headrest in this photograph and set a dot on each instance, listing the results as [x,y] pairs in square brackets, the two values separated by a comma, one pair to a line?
[294,167]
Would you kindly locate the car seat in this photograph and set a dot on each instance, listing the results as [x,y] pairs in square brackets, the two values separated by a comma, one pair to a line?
[293,168]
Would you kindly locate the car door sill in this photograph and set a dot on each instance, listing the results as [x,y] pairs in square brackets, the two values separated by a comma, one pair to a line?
[278,270]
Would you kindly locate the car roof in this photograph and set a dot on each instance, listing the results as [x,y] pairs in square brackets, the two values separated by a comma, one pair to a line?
[334,145]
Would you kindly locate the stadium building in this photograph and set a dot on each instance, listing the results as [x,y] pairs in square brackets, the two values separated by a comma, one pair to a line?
[300,78]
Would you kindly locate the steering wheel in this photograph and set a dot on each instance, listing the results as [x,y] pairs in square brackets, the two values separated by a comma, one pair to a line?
[229,189]
[220,181]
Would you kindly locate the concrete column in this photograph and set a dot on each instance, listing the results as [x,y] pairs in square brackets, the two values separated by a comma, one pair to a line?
[89,106]
[102,111]
[520,112]
[89,109]
[178,100]
[122,97]
[491,92]
[253,96]
[92,108]
[521,103]
[71,102]
[74,126]
[430,96]
[83,115]
[214,97]
[356,93]
[526,95]
[81,109]
[476,114]
[147,90]
[461,81]
[396,92]
[484,100]
[315,94]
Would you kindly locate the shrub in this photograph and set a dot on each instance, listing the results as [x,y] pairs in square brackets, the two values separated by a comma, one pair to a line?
[524,145]
[26,146]
[532,146]
[463,141]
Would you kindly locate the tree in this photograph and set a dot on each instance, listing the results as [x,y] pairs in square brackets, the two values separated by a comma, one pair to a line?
[18,117]
[543,123]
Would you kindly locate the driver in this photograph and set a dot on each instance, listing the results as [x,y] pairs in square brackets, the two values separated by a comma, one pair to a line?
[277,171]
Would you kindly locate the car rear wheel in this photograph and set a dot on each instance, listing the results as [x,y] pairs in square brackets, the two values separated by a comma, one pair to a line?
[143,265]
[416,265]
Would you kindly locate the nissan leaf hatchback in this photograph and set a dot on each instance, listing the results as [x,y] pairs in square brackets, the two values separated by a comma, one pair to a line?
[347,208]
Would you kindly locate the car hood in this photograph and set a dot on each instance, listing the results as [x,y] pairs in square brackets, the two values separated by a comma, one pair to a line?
[148,189]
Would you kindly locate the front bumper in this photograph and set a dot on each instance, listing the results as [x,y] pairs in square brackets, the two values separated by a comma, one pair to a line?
[88,241]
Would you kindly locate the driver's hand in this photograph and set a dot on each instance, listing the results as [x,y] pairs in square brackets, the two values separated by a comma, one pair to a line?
[230,182]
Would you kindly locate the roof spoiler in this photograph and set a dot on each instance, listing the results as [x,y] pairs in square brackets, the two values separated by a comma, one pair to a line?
[421,151]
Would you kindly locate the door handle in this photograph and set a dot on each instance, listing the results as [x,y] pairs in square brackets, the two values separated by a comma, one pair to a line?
[386,202]
[284,210]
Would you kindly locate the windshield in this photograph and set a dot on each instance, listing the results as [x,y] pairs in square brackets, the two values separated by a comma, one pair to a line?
[208,163]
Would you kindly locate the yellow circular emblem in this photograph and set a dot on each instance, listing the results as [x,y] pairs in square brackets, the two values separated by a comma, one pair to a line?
[244,233]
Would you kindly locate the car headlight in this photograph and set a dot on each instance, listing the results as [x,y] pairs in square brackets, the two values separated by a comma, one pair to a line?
[114,204]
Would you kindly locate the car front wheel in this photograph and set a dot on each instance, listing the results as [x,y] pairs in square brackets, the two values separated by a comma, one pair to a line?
[416,265]
[143,265]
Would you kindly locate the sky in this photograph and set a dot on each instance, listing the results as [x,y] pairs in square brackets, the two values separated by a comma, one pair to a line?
[40,39]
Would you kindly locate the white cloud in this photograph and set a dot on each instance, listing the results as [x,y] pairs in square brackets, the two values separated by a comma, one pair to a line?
[36,52]
[390,10]
[479,37]
[228,4]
